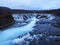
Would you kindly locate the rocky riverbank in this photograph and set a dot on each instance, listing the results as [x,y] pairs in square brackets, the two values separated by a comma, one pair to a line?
[6,18]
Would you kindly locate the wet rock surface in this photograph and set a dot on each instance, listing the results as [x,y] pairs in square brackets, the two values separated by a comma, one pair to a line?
[46,32]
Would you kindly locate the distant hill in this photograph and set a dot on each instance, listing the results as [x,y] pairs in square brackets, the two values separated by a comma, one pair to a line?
[52,11]
[6,18]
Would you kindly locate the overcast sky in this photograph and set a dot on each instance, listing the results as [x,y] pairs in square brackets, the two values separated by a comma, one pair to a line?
[31,4]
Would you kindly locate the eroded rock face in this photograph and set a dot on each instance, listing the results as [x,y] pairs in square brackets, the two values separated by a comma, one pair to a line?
[5,17]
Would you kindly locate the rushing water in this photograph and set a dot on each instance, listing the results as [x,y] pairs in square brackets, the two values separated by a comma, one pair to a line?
[43,23]
[12,33]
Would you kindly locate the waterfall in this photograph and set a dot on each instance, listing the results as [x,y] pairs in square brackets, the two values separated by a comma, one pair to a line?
[12,33]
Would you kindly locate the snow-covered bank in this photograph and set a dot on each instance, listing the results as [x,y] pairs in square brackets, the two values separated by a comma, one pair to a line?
[10,34]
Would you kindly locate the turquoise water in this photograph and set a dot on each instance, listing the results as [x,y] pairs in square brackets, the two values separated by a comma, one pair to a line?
[12,33]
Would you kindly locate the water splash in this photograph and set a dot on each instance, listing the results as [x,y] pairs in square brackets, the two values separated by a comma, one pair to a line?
[10,34]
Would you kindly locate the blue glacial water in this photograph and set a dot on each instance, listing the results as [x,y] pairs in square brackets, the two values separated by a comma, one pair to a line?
[12,33]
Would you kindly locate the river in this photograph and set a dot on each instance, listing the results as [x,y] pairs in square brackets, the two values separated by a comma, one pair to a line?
[12,33]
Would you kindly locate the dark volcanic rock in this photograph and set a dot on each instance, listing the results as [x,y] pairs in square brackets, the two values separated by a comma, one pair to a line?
[5,17]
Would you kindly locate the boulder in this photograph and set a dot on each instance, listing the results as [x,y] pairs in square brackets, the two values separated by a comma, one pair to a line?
[6,18]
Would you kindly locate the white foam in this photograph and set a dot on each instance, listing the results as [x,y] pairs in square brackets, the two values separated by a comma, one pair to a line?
[12,33]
